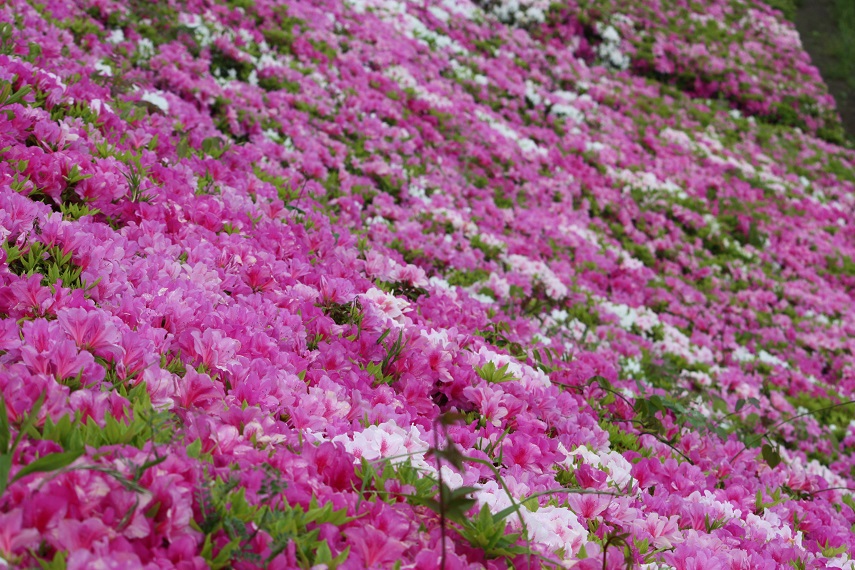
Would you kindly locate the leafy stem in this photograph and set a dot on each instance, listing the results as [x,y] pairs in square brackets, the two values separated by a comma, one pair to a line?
[776,425]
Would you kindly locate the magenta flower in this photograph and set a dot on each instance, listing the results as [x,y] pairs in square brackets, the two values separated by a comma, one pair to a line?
[665,532]
[213,348]
[91,331]
[374,547]
[199,391]
[13,538]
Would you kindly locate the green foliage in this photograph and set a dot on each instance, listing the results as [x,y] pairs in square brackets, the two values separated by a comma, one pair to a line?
[388,185]
[648,411]
[7,450]
[491,252]
[547,359]
[620,440]
[776,497]
[75,211]
[7,39]
[382,371]
[135,175]
[80,27]
[831,552]
[225,509]
[144,424]
[50,262]
[787,7]
[9,95]
[49,462]
[496,334]
[411,292]
[272,83]
[495,375]
[344,313]
[409,255]
[501,200]
[214,147]
[76,435]
[281,37]
[585,313]
[283,185]
[324,48]
[841,265]
[770,455]
[373,479]
[225,65]
[230,229]
[639,251]
[173,363]
[681,407]
[487,533]
[490,46]
[453,504]
[466,278]
[833,413]
[843,45]
[663,373]
[156,21]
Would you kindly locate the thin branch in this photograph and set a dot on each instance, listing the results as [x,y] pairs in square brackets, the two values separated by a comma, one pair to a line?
[775,426]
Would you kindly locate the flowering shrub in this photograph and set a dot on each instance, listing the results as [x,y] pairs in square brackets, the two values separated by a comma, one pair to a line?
[374,283]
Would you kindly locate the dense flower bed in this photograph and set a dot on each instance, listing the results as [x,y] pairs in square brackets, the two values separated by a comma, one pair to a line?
[375,284]
[740,52]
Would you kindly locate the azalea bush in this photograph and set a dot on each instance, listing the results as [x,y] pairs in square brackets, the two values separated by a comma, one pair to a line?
[382,284]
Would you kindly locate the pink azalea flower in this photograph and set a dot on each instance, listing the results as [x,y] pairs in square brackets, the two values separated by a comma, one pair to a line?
[664,531]
[199,390]
[14,538]
[213,348]
[91,331]
[373,546]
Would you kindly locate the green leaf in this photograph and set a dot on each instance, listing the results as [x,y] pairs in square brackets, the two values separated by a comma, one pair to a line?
[140,470]
[450,454]
[339,560]
[182,149]
[496,375]
[240,508]
[323,555]
[30,420]
[451,418]
[224,556]
[195,449]
[5,433]
[5,467]
[830,552]
[455,504]
[49,462]
[770,455]
[59,562]
[207,548]
[214,147]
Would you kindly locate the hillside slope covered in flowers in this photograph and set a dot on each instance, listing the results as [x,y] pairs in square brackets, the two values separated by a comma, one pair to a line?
[395,284]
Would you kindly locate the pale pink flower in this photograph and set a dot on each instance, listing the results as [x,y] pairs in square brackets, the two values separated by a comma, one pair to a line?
[214,349]
[665,531]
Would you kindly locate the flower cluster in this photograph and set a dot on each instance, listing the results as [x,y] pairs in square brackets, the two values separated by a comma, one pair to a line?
[379,283]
